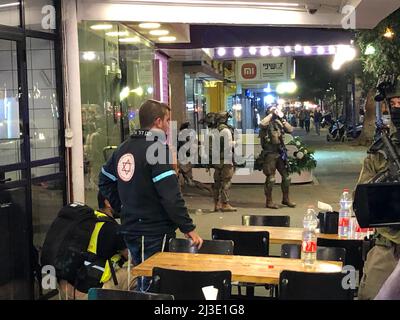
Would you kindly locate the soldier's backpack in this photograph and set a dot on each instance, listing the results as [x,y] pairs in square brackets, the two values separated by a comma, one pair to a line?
[67,240]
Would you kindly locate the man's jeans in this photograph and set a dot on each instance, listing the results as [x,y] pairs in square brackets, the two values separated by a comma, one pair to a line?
[317,127]
[142,248]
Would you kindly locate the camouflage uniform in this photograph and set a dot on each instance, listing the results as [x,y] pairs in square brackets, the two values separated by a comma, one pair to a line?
[223,172]
[384,256]
[271,139]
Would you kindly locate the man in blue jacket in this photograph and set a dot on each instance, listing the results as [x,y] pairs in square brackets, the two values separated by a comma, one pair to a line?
[140,181]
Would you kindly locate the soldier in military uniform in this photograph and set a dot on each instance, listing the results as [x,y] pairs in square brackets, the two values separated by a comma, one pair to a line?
[272,129]
[224,170]
[384,256]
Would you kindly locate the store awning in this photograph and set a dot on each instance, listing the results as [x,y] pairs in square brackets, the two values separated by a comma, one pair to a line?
[214,36]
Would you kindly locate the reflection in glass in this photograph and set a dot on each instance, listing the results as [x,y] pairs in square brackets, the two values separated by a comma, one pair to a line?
[9,13]
[47,200]
[116,67]
[40,15]
[9,104]
[44,117]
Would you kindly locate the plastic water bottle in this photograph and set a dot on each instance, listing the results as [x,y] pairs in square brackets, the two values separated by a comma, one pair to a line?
[309,244]
[345,214]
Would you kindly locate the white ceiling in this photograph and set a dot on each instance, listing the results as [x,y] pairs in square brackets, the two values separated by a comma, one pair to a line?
[329,13]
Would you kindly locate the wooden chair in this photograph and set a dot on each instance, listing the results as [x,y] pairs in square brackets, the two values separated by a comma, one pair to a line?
[246,243]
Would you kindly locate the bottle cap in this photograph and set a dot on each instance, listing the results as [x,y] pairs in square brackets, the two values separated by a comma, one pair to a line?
[346,190]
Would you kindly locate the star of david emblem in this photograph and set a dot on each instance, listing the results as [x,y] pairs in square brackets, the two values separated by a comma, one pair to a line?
[126,166]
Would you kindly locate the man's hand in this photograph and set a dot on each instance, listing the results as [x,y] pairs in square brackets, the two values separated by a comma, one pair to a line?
[278,113]
[197,241]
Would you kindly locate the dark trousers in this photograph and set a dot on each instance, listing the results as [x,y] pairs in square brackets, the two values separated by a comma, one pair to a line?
[142,248]
[307,125]
[317,127]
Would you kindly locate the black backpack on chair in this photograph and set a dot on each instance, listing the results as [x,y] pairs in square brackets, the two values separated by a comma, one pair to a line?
[67,240]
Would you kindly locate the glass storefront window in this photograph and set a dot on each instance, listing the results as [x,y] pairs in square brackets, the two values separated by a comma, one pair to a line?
[196,108]
[10,139]
[9,13]
[47,200]
[116,67]
[40,15]
[44,118]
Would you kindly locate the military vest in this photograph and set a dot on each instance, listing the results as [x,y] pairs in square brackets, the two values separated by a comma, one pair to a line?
[270,137]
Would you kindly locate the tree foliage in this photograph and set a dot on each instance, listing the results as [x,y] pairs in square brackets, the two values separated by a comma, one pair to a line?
[386,58]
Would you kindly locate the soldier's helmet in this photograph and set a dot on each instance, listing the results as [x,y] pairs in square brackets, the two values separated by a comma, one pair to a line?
[395,90]
[211,119]
[222,117]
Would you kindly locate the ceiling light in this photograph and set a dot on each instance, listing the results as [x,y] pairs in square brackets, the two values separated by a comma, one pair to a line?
[167,39]
[101,27]
[149,25]
[321,50]
[138,91]
[130,40]
[288,49]
[237,52]
[124,93]
[226,2]
[264,51]
[332,49]
[7,5]
[159,32]
[276,52]
[291,87]
[221,52]
[117,33]
[89,55]
[307,50]
[252,50]
[298,48]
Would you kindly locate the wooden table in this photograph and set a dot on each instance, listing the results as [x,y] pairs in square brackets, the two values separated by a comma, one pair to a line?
[244,269]
[280,235]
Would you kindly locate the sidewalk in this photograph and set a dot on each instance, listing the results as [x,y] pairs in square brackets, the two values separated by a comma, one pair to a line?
[338,167]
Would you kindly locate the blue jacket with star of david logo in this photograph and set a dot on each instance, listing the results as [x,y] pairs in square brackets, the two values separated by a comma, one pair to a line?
[140,182]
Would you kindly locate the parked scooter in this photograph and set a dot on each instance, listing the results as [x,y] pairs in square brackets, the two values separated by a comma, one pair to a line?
[336,131]
[339,131]
[349,132]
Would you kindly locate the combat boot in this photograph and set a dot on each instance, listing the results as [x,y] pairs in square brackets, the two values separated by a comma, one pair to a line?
[226,207]
[269,203]
[286,201]
[217,206]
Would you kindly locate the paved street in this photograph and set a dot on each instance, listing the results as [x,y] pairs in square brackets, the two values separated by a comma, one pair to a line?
[338,167]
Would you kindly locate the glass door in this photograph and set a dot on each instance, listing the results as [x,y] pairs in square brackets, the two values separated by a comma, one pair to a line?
[15,212]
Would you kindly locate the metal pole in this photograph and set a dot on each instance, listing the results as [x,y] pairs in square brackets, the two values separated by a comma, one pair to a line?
[353,93]
[73,97]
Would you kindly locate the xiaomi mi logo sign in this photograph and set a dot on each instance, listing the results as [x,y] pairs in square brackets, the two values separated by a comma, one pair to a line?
[249,71]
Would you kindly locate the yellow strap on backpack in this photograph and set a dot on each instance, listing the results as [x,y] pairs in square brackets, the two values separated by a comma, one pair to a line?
[107,270]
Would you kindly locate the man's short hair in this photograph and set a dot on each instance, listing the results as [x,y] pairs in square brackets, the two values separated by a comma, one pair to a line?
[100,200]
[150,110]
